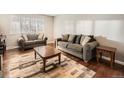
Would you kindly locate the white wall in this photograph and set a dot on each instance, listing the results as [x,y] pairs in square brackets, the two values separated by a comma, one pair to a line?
[108,29]
[109,26]
[5,27]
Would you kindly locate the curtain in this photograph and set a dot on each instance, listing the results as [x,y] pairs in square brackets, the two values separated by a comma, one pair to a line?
[26,24]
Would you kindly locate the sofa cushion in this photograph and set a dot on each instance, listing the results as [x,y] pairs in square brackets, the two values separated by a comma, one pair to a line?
[32,36]
[29,42]
[38,41]
[77,40]
[65,37]
[63,44]
[76,47]
[71,38]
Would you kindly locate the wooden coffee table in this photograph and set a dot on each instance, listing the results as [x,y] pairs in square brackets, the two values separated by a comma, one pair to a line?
[47,52]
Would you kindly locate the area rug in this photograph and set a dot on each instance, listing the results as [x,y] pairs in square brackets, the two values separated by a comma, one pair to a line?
[26,66]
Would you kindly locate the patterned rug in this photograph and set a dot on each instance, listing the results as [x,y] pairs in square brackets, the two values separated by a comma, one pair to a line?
[26,66]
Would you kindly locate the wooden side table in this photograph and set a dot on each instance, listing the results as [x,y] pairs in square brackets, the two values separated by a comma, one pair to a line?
[103,50]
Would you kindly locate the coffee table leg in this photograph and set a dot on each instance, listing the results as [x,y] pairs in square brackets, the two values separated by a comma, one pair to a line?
[112,61]
[60,58]
[35,54]
[97,56]
[44,65]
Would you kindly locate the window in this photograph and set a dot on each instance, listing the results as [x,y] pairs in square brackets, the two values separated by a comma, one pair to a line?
[69,27]
[26,24]
[84,27]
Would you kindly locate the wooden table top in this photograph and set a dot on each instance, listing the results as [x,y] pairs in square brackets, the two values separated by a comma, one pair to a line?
[107,48]
[46,51]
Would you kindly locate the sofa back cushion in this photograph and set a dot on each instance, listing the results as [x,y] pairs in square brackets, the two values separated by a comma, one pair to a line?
[77,40]
[32,36]
[75,47]
[65,37]
[71,38]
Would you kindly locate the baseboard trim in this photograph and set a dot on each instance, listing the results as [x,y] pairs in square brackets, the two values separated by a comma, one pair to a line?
[116,61]
[12,47]
[50,42]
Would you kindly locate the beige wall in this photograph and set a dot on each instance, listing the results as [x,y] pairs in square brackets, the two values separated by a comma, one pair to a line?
[108,29]
[5,21]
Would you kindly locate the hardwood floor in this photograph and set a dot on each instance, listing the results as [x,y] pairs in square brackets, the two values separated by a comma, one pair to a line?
[102,70]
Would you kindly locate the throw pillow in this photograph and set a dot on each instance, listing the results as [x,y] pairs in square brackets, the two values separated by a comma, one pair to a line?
[86,40]
[92,38]
[25,37]
[77,40]
[82,38]
[65,37]
[71,38]
[41,36]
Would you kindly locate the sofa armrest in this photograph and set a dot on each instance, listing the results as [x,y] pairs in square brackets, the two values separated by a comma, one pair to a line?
[87,50]
[57,40]
[21,42]
[45,38]
[92,45]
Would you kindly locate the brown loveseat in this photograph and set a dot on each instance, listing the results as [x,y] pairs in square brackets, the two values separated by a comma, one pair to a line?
[31,40]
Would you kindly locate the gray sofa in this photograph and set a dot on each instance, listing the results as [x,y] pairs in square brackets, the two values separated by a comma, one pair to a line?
[31,40]
[86,52]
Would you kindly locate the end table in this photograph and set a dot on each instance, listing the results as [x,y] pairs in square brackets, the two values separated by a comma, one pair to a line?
[105,49]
